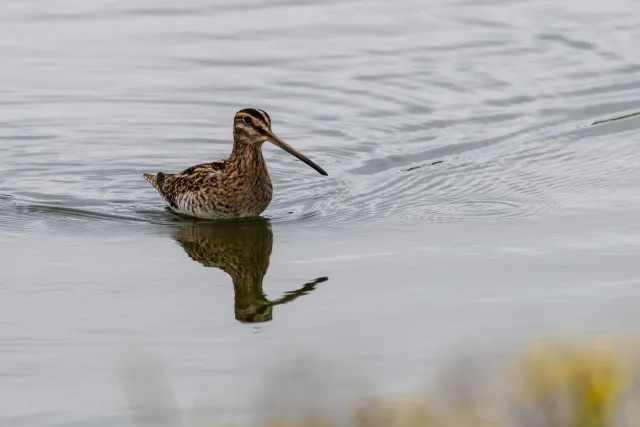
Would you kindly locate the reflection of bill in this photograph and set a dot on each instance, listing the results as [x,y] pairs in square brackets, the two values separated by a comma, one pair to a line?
[242,249]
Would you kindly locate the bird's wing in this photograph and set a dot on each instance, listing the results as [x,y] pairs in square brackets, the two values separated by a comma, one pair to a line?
[171,185]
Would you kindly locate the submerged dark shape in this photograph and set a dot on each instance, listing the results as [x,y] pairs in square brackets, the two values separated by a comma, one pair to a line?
[412,168]
[626,116]
[237,187]
[242,249]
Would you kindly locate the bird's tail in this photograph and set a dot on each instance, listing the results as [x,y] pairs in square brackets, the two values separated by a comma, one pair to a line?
[153,180]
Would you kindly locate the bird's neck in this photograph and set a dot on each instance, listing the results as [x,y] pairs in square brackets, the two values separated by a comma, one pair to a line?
[247,158]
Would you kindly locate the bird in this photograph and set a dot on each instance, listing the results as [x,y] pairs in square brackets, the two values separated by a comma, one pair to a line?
[236,187]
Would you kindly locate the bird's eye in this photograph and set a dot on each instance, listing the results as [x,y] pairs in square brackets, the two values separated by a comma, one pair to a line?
[247,120]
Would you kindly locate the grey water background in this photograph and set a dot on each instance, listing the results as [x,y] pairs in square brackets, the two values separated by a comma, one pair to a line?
[471,201]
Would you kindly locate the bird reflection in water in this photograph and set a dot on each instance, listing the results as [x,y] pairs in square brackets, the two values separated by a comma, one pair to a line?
[242,249]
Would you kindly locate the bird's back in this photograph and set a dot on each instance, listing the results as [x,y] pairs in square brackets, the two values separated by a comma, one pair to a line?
[212,190]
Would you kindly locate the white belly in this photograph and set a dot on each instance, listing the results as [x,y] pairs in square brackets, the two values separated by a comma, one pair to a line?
[198,212]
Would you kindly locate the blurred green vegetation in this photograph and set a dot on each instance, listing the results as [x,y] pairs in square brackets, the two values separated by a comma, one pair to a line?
[555,382]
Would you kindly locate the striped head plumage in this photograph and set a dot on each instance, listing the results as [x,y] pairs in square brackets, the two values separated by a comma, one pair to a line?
[253,126]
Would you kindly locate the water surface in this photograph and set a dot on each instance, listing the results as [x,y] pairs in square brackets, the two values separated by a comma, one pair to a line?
[471,200]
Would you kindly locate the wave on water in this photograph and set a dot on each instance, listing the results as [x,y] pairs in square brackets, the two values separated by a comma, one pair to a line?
[526,174]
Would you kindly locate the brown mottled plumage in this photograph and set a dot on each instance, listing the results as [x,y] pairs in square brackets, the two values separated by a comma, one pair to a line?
[241,249]
[232,188]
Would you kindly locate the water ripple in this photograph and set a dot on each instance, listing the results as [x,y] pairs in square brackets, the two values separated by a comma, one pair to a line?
[455,115]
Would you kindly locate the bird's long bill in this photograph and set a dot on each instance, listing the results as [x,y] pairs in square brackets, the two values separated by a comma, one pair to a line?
[289,149]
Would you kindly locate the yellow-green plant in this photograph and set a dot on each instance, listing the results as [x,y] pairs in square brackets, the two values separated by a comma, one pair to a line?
[573,383]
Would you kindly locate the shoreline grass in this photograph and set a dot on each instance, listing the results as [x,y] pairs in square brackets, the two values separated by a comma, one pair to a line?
[555,382]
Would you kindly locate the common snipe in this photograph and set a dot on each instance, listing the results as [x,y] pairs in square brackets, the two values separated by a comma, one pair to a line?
[236,187]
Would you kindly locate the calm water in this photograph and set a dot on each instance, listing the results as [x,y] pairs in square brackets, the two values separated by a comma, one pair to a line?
[470,201]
